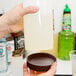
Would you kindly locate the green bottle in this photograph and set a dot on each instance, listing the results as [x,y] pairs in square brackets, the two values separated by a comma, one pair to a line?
[66,36]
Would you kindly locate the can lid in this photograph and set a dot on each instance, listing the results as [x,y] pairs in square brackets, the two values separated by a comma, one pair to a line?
[40,61]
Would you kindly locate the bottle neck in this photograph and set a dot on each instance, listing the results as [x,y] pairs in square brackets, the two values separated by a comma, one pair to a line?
[66,26]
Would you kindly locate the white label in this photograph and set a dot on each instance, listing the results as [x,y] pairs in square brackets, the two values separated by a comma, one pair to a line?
[3,62]
[10,49]
[38,27]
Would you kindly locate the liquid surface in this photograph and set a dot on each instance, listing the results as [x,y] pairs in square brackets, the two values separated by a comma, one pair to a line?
[42,61]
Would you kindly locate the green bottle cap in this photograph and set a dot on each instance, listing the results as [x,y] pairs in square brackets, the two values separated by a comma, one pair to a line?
[67,9]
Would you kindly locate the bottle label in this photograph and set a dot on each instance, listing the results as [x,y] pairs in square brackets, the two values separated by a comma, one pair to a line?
[16,43]
[19,42]
[3,59]
[10,49]
[67,22]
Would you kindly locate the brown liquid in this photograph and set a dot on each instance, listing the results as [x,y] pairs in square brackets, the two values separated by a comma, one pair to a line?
[42,61]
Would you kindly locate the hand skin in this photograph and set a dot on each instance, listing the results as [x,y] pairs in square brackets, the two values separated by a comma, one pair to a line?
[51,72]
[11,22]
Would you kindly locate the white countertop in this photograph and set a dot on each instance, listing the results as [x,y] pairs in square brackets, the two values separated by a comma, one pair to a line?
[64,67]
[16,67]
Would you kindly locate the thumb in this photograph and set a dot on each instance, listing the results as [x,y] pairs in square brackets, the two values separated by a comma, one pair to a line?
[53,68]
[27,10]
[25,70]
[51,71]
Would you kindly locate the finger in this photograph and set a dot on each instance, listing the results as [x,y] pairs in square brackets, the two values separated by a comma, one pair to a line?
[31,71]
[25,70]
[25,65]
[54,65]
[52,70]
[26,10]
[29,9]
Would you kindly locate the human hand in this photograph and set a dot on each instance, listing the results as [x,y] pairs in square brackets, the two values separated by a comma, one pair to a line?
[13,18]
[51,71]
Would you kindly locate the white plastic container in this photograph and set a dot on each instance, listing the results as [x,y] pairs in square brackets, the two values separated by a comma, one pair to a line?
[3,56]
[10,49]
[38,27]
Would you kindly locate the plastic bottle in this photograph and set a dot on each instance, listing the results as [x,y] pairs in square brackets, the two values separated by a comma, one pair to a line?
[38,27]
[3,55]
[66,36]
